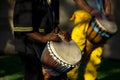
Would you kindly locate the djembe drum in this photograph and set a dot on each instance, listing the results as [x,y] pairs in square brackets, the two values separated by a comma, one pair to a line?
[60,57]
[99,31]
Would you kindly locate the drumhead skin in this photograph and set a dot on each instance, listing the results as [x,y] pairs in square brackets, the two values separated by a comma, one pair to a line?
[108,26]
[67,52]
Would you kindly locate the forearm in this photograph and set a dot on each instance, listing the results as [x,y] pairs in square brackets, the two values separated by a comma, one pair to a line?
[44,38]
[83,5]
[107,6]
[36,36]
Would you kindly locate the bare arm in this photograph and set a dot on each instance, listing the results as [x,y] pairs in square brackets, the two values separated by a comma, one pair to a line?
[44,38]
[94,12]
[107,6]
[107,9]
[83,5]
[53,36]
[37,37]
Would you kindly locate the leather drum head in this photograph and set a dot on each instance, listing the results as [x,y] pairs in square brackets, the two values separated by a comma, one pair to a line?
[107,26]
[67,52]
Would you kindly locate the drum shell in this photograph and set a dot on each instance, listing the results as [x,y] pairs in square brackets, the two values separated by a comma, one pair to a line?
[51,66]
[100,30]
[94,37]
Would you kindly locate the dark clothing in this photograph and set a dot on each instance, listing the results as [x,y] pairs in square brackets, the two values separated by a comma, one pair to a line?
[31,60]
[33,16]
[30,13]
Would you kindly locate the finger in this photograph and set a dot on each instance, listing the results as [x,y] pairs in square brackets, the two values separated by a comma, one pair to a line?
[56,30]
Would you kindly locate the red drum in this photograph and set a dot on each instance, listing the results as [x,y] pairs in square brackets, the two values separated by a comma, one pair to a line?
[60,57]
[100,30]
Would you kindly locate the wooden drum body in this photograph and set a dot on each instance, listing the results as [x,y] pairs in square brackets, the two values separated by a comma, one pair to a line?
[100,30]
[60,57]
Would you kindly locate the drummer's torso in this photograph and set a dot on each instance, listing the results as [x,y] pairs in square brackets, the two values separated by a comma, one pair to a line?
[29,4]
[31,15]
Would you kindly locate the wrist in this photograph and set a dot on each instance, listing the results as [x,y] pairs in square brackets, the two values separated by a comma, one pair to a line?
[108,14]
[44,39]
[90,10]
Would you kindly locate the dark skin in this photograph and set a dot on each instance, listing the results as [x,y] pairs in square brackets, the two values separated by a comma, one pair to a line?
[36,20]
[53,36]
[95,13]
[50,36]
[45,38]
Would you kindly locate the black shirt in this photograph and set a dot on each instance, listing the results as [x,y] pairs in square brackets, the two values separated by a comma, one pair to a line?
[36,14]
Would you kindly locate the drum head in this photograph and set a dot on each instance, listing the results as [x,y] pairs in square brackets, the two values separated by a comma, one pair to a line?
[68,52]
[106,25]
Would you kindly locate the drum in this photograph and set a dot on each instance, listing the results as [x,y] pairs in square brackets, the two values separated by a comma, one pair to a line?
[60,57]
[100,30]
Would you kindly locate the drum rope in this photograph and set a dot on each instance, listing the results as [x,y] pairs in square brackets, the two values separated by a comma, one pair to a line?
[99,5]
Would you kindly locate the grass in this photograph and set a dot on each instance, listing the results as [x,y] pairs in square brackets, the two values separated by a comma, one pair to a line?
[11,68]
[109,70]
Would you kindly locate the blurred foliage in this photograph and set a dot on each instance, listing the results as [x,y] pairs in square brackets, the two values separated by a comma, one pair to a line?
[11,69]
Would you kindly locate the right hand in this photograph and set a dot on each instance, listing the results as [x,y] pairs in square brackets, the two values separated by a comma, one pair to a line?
[110,17]
[96,13]
[51,37]
[64,34]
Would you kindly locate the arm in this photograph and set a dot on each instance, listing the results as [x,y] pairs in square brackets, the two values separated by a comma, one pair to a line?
[83,5]
[44,38]
[107,6]
[107,9]
[53,36]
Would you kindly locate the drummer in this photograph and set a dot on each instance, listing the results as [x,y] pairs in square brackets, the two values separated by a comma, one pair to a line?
[32,31]
[89,9]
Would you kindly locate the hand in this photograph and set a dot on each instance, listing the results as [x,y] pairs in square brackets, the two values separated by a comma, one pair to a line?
[110,17]
[57,30]
[51,37]
[96,13]
[65,35]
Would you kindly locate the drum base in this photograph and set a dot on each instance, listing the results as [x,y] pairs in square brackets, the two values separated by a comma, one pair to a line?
[51,66]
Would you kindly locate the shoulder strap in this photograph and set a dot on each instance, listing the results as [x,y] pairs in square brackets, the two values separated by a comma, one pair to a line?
[99,4]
